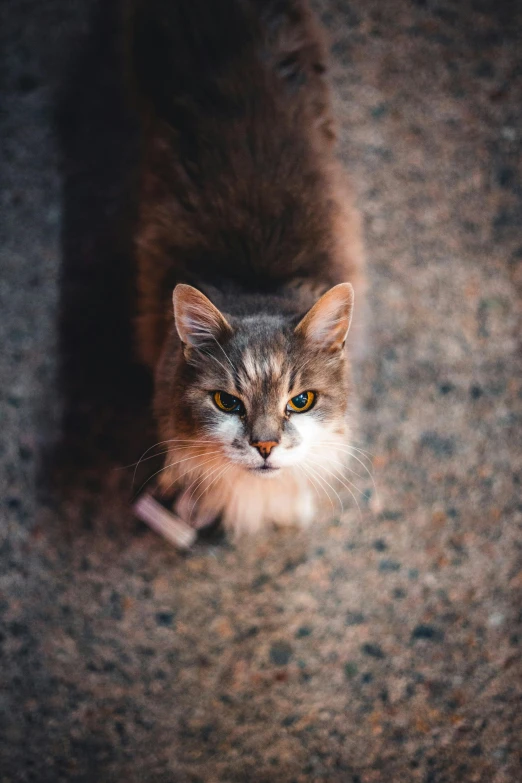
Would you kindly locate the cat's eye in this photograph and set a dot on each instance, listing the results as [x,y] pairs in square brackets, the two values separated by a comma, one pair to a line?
[227,402]
[301,402]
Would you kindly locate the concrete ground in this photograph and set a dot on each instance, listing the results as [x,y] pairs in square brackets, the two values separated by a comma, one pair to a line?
[384,647]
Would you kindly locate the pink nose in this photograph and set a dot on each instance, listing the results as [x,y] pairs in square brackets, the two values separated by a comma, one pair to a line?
[264,447]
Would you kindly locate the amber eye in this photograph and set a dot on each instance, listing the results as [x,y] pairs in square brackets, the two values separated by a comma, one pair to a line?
[301,403]
[227,402]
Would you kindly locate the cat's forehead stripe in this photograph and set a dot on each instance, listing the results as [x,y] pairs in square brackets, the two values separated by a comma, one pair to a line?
[261,367]
[249,365]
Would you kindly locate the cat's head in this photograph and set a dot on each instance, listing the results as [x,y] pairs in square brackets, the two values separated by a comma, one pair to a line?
[266,393]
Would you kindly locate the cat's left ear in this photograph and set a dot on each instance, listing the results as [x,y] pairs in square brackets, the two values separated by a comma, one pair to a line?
[326,324]
[197,320]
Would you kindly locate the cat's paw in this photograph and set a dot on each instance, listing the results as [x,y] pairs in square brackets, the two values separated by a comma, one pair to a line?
[167,524]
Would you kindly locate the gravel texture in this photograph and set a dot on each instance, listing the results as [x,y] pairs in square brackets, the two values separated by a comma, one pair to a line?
[383,647]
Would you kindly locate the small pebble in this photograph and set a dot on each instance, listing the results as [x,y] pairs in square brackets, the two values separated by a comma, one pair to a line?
[280,653]
[429,632]
[373,650]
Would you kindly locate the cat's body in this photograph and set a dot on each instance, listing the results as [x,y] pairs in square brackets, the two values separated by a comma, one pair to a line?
[243,199]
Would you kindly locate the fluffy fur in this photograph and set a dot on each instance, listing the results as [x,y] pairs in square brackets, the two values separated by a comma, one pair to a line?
[245,215]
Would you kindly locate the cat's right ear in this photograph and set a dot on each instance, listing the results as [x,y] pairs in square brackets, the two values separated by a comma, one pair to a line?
[197,320]
[326,325]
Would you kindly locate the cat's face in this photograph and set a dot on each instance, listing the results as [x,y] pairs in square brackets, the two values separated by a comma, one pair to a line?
[264,393]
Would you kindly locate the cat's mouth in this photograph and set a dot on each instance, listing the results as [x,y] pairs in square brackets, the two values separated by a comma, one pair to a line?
[265,469]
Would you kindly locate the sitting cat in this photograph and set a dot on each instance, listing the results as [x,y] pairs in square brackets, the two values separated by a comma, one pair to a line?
[249,254]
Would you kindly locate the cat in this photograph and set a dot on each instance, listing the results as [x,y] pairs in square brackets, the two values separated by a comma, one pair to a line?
[249,256]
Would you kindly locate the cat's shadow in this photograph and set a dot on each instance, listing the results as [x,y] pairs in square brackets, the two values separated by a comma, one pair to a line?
[104,394]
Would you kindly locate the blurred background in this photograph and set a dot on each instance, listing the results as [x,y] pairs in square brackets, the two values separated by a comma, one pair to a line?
[384,646]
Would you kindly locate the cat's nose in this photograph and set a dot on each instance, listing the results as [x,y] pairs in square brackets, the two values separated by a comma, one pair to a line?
[264,447]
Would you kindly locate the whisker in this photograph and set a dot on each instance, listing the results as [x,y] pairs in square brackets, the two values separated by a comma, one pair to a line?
[157,454]
[170,451]
[345,446]
[355,457]
[202,478]
[308,477]
[135,464]
[338,462]
[212,357]
[359,444]
[171,465]
[347,467]
[323,481]
[368,472]
[321,478]
[213,470]
[224,353]
[206,489]
[192,468]
[162,443]
[362,451]
[315,485]
[346,487]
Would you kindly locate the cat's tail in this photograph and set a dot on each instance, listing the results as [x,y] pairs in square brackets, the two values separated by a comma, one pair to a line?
[180,48]
[183,52]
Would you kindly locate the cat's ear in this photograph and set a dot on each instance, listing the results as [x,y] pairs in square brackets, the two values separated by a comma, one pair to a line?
[326,324]
[197,320]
